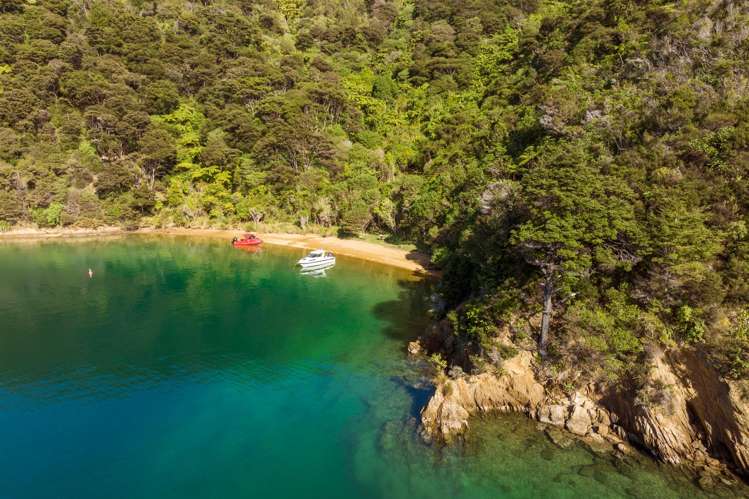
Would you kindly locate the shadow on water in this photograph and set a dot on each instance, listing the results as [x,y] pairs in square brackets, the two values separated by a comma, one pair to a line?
[405,319]
[406,316]
[419,393]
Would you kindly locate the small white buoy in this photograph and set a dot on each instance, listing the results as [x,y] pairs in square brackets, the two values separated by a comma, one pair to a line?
[90,274]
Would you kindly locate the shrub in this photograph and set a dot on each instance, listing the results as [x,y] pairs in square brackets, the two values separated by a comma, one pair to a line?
[49,216]
[691,326]
[438,365]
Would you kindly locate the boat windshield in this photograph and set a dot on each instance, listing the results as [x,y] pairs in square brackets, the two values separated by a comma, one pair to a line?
[316,254]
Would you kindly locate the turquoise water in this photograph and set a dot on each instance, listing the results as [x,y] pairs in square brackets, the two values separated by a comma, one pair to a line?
[186,368]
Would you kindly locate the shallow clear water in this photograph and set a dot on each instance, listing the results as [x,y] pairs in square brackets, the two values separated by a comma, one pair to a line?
[186,368]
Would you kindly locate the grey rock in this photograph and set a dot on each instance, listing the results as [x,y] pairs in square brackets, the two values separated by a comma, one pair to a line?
[579,421]
[553,414]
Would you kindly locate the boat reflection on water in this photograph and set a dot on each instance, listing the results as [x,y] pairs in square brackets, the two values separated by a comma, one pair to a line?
[313,273]
[317,271]
[250,249]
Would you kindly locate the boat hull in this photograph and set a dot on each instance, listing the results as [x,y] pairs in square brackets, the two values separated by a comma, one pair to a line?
[319,264]
[244,244]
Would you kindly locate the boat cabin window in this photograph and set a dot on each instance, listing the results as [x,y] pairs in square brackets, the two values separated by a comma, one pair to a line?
[317,253]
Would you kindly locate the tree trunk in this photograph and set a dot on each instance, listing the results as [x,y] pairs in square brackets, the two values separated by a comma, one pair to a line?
[543,339]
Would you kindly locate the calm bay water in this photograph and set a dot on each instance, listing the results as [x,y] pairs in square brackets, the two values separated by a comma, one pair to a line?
[186,368]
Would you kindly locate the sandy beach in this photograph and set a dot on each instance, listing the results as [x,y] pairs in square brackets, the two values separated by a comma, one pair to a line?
[356,248]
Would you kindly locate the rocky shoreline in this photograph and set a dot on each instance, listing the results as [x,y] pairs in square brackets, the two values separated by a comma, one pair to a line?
[683,413]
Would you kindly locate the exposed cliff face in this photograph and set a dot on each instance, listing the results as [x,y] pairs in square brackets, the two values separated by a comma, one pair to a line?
[686,413]
[655,415]
[683,412]
[721,407]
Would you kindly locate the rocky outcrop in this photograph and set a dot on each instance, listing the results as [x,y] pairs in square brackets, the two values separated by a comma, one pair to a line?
[455,400]
[683,412]
[514,390]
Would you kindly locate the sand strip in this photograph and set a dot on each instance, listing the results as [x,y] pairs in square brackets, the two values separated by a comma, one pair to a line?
[364,250]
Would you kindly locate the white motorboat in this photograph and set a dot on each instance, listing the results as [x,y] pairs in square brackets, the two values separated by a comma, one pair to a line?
[318,259]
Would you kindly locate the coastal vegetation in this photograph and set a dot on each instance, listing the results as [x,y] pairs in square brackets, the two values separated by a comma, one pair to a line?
[581,165]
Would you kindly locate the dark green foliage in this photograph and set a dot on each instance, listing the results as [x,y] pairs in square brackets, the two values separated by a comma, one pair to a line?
[160,96]
[158,149]
[586,158]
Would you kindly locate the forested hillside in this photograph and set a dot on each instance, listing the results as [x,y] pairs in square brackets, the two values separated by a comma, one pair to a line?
[585,158]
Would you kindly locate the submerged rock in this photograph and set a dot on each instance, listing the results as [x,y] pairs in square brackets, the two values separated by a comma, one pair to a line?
[598,472]
[559,438]
[598,445]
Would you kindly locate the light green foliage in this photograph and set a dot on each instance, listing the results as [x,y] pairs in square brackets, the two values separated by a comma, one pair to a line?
[4,69]
[691,326]
[438,365]
[185,124]
[474,322]
[612,333]
[87,149]
[256,206]
[49,216]
[583,145]
[494,58]
[728,347]
[738,350]
[199,183]
[291,9]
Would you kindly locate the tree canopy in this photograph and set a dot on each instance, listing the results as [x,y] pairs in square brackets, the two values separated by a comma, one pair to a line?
[592,153]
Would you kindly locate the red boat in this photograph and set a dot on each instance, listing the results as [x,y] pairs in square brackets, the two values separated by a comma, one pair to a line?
[247,240]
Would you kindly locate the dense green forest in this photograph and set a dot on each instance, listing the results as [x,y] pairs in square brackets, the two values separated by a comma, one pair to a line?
[581,161]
